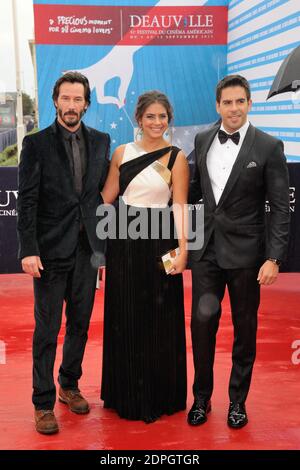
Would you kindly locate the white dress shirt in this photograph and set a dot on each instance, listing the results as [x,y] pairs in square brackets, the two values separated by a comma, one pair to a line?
[221,158]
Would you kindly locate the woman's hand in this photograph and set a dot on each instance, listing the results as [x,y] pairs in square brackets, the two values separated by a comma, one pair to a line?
[179,263]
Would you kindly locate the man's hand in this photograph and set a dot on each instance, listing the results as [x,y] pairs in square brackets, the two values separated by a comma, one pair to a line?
[268,273]
[32,265]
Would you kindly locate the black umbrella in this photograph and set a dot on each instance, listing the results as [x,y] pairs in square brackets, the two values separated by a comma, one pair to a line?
[288,75]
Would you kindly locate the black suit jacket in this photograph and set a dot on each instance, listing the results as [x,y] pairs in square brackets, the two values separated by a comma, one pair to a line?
[49,210]
[238,220]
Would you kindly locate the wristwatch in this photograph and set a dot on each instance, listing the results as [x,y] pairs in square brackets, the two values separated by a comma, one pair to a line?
[275,261]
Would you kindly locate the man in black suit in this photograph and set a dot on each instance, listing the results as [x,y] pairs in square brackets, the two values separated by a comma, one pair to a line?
[62,171]
[237,168]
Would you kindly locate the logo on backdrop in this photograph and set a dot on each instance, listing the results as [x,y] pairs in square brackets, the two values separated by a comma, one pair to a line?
[139,25]
[8,200]
[120,73]
[292,201]
[292,198]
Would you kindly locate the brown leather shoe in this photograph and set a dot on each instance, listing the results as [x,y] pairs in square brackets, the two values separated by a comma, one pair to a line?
[74,400]
[45,421]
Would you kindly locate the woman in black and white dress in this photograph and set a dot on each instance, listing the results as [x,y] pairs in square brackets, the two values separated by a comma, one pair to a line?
[144,355]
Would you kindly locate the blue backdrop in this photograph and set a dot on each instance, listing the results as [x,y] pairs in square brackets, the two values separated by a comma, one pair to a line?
[186,73]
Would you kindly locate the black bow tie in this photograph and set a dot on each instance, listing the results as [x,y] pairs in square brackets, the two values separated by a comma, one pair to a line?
[223,137]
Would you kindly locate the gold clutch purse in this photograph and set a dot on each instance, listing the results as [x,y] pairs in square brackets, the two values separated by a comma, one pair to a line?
[167,259]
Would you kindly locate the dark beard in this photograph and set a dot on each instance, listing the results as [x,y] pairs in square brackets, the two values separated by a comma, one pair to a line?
[72,123]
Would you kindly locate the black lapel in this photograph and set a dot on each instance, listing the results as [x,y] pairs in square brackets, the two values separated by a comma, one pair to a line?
[239,163]
[90,155]
[205,179]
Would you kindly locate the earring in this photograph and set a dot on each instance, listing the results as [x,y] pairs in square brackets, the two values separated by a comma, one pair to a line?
[139,134]
[169,135]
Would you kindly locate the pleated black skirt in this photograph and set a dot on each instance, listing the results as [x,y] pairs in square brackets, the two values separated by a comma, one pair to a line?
[144,350]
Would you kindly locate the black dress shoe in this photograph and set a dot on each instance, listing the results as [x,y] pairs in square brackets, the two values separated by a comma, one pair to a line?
[150,419]
[198,413]
[237,416]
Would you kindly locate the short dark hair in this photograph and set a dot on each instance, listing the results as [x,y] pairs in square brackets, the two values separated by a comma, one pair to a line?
[151,97]
[73,77]
[232,80]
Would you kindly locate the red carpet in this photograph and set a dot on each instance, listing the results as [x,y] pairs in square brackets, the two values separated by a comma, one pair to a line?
[273,404]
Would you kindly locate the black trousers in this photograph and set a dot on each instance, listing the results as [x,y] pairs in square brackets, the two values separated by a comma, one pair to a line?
[209,283]
[73,280]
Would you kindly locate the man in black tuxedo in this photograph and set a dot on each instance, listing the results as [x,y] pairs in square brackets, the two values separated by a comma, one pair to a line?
[62,171]
[237,168]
